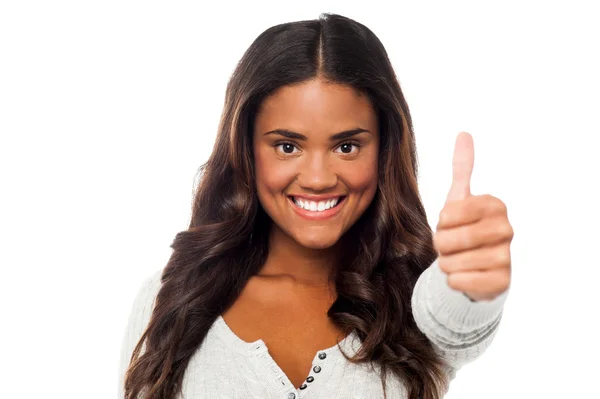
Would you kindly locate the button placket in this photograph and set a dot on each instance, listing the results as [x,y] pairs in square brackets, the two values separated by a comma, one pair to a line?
[268,365]
[316,369]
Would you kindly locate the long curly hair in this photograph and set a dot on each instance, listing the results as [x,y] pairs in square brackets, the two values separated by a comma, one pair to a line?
[226,243]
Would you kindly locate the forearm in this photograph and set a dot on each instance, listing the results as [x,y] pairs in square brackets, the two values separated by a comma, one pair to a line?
[460,329]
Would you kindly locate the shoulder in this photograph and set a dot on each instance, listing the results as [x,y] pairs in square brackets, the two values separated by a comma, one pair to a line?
[144,301]
[139,317]
[148,289]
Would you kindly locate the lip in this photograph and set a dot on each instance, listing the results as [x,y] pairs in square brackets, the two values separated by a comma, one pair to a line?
[317,198]
[310,215]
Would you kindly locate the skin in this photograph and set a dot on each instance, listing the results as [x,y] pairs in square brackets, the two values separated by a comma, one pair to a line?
[286,303]
[473,235]
[294,287]
[302,249]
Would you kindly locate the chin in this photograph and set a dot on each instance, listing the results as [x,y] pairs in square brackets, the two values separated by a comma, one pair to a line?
[317,241]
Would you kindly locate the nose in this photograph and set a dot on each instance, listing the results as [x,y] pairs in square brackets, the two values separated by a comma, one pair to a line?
[317,173]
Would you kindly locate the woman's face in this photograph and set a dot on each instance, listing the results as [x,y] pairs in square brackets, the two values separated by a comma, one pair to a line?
[316,152]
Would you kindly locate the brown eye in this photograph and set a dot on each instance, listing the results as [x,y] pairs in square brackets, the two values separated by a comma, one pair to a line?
[346,148]
[286,148]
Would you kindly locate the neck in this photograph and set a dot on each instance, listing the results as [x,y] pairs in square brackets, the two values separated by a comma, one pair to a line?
[306,266]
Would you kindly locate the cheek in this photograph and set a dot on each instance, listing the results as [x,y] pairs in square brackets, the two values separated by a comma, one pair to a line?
[272,176]
[275,179]
[361,178]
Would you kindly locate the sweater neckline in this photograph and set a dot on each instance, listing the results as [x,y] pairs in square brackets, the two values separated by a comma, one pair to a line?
[350,344]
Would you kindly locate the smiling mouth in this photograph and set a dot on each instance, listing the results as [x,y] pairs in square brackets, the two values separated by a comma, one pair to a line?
[317,206]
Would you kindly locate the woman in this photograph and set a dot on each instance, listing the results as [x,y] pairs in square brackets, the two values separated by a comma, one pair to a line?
[309,268]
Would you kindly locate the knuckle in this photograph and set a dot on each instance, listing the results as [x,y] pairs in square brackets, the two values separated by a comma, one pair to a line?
[454,282]
[494,204]
[506,230]
[499,229]
[504,280]
[489,199]
[499,205]
[444,264]
[510,232]
[502,257]
[444,217]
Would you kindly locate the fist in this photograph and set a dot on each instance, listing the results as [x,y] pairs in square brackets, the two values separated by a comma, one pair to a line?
[473,234]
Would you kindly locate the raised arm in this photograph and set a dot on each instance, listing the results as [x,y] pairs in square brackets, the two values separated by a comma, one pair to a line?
[458,301]
[460,329]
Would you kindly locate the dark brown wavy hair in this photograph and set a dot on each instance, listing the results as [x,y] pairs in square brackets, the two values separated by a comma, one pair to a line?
[226,242]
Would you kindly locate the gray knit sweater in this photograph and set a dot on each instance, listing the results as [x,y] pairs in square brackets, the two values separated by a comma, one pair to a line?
[224,366]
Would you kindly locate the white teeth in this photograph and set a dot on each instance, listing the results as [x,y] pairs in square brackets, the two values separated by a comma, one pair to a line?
[315,206]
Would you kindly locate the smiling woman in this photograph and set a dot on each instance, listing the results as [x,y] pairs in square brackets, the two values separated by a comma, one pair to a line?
[316,147]
[309,269]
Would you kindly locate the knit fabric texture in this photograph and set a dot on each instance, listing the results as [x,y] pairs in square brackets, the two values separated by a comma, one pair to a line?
[224,366]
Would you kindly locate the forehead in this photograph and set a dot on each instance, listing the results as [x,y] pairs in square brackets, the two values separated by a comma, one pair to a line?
[316,107]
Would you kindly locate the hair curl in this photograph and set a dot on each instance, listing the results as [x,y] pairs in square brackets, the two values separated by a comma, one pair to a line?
[226,242]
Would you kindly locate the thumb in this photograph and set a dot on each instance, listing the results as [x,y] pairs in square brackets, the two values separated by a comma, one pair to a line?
[462,168]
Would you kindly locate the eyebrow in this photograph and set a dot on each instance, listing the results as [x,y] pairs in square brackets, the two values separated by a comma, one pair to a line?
[338,136]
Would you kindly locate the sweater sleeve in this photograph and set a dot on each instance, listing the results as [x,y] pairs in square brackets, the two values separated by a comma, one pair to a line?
[460,329]
[137,322]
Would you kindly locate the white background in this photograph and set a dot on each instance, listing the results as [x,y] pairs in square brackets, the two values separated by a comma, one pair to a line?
[108,108]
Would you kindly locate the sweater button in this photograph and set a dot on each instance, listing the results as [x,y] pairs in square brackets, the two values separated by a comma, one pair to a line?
[322,355]
[303,386]
[310,379]
[317,369]
[291,395]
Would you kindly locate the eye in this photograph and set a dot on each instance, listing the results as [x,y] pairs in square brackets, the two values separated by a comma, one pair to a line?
[347,147]
[286,148]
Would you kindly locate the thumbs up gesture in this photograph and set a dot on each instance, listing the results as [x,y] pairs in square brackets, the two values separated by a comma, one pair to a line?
[473,234]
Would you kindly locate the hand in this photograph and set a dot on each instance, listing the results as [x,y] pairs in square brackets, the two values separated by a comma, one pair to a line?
[473,234]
